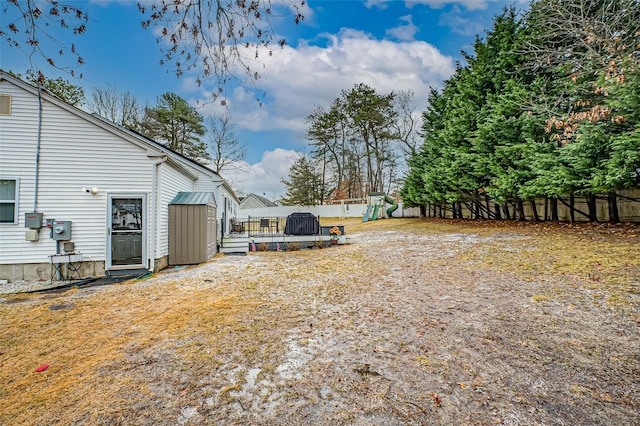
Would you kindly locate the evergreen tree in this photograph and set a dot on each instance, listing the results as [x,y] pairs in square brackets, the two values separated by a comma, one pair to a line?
[304,185]
[177,125]
[592,109]
[537,113]
[328,135]
[371,117]
[462,128]
[63,89]
[355,140]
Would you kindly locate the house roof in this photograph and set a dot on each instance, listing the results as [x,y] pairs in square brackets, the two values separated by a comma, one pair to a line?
[194,198]
[264,201]
[154,148]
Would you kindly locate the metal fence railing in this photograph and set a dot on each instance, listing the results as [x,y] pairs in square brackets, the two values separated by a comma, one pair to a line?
[280,226]
[259,225]
[294,224]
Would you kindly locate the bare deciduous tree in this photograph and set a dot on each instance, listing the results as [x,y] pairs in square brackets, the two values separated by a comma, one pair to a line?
[585,35]
[407,124]
[225,148]
[119,107]
[214,39]
[27,26]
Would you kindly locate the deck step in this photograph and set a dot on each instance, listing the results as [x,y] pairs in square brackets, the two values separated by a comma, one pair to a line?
[235,245]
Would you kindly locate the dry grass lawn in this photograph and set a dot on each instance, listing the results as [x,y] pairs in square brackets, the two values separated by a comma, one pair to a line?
[414,322]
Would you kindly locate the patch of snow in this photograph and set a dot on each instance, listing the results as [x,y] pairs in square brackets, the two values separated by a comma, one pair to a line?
[187,414]
[296,358]
[251,377]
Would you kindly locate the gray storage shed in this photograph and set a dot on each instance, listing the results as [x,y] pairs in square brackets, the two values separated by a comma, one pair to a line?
[192,228]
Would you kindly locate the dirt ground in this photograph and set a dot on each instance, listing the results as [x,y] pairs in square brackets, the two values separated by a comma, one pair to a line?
[414,322]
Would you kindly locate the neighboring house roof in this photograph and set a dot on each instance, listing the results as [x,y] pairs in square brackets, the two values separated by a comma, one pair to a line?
[194,198]
[265,202]
[153,148]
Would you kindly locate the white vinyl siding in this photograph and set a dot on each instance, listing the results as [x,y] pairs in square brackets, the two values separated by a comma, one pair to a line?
[211,183]
[207,183]
[74,154]
[171,181]
[251,202]
[77,152]
[226,203]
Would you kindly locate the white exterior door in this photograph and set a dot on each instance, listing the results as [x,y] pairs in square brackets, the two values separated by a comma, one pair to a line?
[126,233]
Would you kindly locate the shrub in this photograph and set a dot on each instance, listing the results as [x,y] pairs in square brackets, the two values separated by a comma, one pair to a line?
[293,246]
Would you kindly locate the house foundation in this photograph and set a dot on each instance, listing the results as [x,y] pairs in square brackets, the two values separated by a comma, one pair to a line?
[46,271]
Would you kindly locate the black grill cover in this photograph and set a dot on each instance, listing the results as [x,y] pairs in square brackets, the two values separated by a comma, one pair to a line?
[302,224]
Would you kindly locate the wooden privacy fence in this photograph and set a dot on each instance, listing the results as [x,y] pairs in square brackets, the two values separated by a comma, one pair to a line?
[571,208]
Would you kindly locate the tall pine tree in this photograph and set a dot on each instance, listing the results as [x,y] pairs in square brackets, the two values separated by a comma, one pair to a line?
[177,125]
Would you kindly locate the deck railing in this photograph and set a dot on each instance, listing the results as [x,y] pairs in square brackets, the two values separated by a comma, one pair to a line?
[259,225]
[272,226]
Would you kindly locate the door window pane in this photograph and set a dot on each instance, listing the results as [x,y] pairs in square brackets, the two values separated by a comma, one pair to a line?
[126,214]
[126,248]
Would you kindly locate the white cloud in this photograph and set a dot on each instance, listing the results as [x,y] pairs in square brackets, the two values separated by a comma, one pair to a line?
[404,32]
[263,178]
[298,79]
[467,4]
[438,4]
[292,7]
[380,4]
[460,25]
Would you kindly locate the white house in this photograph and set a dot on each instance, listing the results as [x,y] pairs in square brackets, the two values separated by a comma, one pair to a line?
[255,201]
[69,176]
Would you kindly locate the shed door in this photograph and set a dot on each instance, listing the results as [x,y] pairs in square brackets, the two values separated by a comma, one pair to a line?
[212,232]
[127,240]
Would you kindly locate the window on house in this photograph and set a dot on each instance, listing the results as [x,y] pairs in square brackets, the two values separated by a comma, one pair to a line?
[8,200]
[5,104]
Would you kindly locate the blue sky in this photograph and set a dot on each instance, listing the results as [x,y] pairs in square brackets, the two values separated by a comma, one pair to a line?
[389,45]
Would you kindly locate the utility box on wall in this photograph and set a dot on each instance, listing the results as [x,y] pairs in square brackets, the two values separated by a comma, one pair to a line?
[61,230]
[33,220]
[31,235]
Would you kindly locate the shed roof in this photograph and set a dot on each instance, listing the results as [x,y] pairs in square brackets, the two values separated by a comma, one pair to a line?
[194,198]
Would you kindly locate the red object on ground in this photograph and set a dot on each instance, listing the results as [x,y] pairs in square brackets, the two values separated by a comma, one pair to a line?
[42,368]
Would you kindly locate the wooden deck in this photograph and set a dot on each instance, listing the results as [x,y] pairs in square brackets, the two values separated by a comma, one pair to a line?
[242,243]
